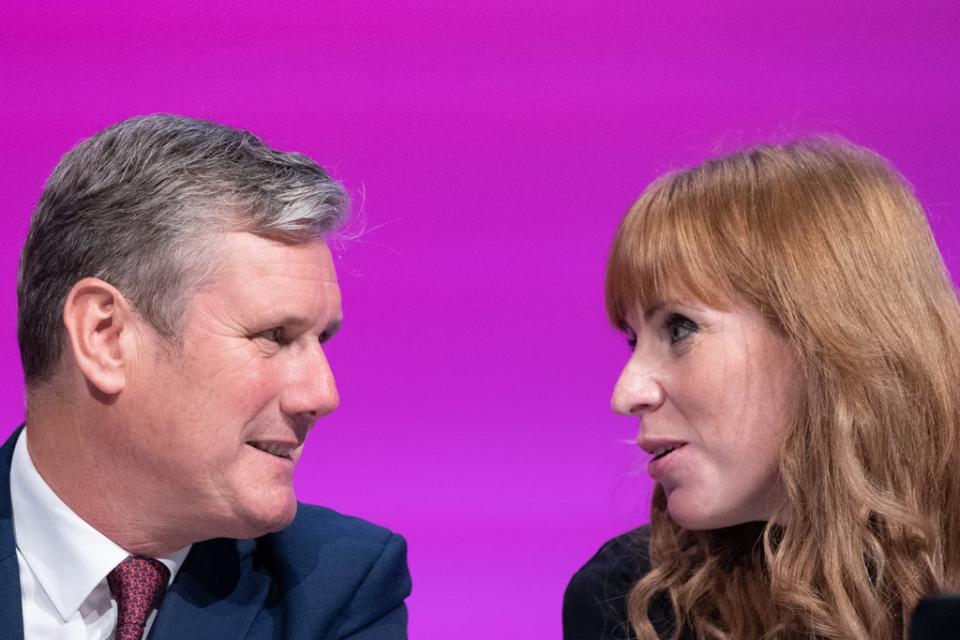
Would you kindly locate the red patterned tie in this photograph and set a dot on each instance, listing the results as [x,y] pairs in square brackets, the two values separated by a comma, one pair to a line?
[138,585]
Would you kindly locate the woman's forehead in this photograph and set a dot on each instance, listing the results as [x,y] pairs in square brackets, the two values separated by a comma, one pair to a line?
[633,295]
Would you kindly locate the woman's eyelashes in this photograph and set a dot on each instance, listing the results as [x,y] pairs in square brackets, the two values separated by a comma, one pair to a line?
[679,327]
[676,327]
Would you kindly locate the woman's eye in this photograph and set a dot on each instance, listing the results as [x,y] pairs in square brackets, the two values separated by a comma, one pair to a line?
[680,327]
[631,340]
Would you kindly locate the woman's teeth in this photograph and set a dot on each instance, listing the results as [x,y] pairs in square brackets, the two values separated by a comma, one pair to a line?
[659,452]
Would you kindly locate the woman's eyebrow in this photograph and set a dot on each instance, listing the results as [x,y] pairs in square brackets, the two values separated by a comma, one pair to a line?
[654,309]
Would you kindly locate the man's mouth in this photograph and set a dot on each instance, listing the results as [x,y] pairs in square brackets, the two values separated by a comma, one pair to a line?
[275,449]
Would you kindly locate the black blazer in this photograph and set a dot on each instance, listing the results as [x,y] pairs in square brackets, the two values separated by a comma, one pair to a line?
[327,576]
[595,602]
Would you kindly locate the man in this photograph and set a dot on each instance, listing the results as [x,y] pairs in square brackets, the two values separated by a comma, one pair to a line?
[175,293]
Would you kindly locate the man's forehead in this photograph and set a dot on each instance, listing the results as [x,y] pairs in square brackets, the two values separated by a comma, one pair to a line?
[262,253]
[258,277]
[235,258]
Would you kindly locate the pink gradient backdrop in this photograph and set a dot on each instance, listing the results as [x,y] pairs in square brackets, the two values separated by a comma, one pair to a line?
[492,148]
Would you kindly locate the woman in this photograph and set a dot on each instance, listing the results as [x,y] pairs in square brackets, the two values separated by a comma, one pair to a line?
[795,371]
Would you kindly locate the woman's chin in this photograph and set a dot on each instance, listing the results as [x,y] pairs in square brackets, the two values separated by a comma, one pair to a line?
[695,517]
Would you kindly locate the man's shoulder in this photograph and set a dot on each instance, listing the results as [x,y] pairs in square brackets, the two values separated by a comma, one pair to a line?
[322,538]
[313,520]
[345,570]
[314,524]
[325,545]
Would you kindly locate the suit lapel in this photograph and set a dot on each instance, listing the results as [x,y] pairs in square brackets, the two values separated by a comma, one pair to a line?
[11,611]
[216,594]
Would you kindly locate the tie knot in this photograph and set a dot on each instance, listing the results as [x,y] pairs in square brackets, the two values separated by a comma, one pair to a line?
[138,585]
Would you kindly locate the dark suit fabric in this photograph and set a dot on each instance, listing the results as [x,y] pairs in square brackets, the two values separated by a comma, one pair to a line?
[325,577]
[595,602]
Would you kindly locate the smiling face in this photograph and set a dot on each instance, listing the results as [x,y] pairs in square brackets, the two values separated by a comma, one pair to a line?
[715,391]
[219,422]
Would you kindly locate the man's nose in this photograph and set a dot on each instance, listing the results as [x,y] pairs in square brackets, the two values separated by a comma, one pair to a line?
[638,389]
[311,391]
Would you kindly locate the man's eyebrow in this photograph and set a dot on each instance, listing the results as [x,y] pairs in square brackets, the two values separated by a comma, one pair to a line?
[292,320]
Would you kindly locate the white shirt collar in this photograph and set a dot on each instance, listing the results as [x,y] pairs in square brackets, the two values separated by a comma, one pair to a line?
[68,556]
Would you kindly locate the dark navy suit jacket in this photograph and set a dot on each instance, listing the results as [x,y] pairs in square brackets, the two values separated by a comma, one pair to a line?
[327,576]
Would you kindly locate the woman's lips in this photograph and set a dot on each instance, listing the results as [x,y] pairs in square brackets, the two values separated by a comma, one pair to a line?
[665,458]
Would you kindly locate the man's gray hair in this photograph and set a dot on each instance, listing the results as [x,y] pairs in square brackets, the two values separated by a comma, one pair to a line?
[139,205]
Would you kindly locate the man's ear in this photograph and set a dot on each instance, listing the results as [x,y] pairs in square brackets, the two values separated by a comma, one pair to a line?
[100,326]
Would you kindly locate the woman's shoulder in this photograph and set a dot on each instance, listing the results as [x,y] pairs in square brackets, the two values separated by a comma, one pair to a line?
[620,561]
[595,602]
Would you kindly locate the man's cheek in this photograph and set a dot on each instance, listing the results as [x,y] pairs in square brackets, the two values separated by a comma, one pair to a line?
[250,395]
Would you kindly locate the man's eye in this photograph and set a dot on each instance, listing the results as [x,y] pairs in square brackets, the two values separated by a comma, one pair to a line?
[680,327]
[276,334]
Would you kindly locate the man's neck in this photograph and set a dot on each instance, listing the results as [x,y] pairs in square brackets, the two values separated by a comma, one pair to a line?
[99,490]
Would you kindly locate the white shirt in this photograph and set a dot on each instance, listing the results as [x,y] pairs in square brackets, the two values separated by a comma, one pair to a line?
[64,562]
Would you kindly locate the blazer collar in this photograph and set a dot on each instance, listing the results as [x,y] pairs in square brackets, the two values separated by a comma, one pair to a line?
[11,611]
[217,593]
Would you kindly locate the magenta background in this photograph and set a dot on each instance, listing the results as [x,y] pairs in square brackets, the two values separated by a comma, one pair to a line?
[492,148]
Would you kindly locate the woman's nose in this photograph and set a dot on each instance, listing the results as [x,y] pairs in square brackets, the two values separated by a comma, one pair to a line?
[637,390]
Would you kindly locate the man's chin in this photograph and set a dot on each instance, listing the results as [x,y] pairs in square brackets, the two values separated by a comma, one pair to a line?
[259,522]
